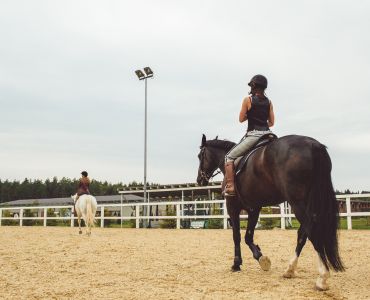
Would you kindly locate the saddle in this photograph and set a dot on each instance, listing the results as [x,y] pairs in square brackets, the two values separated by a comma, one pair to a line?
[241,162]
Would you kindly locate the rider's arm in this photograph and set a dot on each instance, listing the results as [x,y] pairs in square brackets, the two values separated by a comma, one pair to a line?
[246,105]
[271,119]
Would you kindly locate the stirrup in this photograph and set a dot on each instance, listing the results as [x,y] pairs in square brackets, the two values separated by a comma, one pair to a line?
[228,194]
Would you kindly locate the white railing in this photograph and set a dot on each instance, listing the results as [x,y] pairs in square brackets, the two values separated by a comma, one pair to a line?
[285,212]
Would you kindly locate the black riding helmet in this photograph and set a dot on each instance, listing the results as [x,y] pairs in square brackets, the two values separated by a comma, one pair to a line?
[84,173]
[258,80]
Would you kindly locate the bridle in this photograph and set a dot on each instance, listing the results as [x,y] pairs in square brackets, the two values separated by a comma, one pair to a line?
[204,175]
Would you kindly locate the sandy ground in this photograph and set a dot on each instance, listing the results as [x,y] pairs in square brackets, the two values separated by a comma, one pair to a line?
[57,263]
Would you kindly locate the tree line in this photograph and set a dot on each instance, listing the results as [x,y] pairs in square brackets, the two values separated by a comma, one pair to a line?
[54,188]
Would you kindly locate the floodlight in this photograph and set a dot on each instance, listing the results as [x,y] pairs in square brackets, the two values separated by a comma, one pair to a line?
[140,74]
[148,71]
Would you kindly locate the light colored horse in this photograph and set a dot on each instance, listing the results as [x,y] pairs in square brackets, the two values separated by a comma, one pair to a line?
[86,206]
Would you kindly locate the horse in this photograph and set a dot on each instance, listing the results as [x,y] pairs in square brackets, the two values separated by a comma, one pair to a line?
[293,168]
[85,206]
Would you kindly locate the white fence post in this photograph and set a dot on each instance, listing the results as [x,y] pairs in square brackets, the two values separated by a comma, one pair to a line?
[225,214]
[178,216]
[21,217]
[349,211]
[102,216]
[289,211]
[45,215]
[137,215]
[182,200]
[282,213]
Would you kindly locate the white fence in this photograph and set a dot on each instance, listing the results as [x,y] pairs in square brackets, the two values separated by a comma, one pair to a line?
[285,212]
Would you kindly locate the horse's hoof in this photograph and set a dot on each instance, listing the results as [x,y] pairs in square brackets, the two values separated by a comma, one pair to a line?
[265,263]
[320,285]
[235,268]
[80,232]
[289,274]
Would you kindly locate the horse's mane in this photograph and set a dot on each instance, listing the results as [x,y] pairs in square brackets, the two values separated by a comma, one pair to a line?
[223,144]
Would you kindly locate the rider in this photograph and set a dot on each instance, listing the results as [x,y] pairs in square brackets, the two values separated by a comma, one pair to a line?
[83,185]
[258,110]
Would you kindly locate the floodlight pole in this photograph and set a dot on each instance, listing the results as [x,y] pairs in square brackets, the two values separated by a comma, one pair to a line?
[145,146]
[142,76]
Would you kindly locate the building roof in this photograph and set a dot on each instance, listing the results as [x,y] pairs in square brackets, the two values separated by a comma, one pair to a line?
[174,190]
[68,201]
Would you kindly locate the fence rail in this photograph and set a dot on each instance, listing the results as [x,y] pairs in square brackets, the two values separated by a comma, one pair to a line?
[285,212]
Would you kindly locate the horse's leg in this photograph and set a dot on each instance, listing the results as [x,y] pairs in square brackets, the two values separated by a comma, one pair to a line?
[86,223]
[235,220]
[324,274]
[299,210]
[88,228]
[79,223]
[264,261]
[301,241]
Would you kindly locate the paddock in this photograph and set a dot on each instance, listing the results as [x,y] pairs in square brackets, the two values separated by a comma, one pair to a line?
[115,263]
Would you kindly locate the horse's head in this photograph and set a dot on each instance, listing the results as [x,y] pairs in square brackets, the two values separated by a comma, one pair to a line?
[208,163]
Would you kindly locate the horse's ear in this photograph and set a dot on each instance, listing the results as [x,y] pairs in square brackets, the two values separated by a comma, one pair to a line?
[204,139]
[216,137]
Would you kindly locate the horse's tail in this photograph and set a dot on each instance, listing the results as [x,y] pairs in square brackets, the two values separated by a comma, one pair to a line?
[323,210]
[90,215]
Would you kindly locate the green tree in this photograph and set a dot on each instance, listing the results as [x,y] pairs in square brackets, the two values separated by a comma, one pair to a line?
[28,213]
[51,213]
[169,223]
[7,214]
[268,223]
[215,223]
[38,189]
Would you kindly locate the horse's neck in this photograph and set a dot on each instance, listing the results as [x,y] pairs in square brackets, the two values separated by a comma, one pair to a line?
[220,157]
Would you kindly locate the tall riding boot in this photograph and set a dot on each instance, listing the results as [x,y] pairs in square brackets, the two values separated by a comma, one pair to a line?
[230,175]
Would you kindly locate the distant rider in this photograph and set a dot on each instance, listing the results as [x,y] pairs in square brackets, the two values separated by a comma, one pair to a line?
[258,110]
[83,185]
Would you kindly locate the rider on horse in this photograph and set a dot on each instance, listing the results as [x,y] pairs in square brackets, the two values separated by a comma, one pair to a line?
[83,185]
[258,110]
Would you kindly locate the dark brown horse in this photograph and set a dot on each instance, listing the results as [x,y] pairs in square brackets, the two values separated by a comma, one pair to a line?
[292,168]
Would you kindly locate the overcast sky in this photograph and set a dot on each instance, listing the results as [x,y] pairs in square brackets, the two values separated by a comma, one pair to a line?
[70,100]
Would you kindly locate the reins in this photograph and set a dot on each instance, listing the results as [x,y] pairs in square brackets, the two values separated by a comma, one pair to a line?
[206,176]
[218,172]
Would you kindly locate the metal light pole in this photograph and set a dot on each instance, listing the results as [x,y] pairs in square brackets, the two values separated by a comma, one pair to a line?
[142,76]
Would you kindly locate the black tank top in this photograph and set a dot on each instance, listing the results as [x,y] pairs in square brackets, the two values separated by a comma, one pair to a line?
[258,114]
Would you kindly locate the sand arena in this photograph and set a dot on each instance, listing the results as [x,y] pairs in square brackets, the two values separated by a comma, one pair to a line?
[57,263]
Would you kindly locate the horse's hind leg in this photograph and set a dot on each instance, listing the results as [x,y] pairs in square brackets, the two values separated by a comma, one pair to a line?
[324,274]
[264,261]
[79,224]
[301,241]
[88,229]
[86,223]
